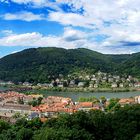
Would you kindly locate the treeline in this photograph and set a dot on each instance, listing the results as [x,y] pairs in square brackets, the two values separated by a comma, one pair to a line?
[122,124]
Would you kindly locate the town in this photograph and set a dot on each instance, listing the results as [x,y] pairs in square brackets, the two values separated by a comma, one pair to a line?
[14,105]
[96,80]
[84,82]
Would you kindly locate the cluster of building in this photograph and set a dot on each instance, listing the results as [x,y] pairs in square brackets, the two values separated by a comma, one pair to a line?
[97,80]
[52,106]
[14,102]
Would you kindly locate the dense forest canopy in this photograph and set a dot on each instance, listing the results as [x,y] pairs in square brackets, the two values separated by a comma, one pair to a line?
[44,64]
[122,124]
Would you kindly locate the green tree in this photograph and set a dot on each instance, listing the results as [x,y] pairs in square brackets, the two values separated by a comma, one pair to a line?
[103,99]
[137,137]
[4,125]
[24,134]
[64,134]
[113,105]
[17,115]
[20,100]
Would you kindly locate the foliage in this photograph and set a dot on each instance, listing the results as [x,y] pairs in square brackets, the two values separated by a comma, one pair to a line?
[63,134]
[113,105]
[137,137]
[36,102]
[90,99]
[3,125]
[20,101]
[24,134]
[122,124]
[103,99]
[44,64]
[17,115]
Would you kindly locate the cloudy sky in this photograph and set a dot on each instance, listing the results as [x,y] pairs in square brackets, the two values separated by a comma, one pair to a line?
[107,26]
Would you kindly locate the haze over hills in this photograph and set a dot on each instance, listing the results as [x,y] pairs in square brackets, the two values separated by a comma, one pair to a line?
[43,64]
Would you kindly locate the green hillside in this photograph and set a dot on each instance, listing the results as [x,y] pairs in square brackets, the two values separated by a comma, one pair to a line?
[44,64]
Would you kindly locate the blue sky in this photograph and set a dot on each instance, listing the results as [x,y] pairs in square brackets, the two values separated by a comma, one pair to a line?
[104,26]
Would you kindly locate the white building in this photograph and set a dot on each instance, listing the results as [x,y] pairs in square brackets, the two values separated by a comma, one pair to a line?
[114,85]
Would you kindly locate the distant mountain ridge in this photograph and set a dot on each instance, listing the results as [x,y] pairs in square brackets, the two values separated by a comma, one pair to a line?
[42,64]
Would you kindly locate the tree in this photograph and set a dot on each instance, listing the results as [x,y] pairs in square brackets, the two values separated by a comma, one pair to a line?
[20,100]
[24,134]
[39,100]
[121,124]
[103,99]
[113,105]
[4,125]
[33,103]
[137,137]
[17,115]
[9,134]
[65,84]
[64,134]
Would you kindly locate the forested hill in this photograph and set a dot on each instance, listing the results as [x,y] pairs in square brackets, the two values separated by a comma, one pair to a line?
[42,64]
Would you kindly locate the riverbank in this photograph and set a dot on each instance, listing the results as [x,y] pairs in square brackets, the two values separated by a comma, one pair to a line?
[66,89]
[76,95]
[86,89]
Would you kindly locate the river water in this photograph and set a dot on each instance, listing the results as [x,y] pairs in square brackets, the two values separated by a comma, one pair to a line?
[2,88]
[76,95]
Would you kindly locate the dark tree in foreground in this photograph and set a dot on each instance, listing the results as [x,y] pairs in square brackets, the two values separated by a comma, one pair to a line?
[121,124]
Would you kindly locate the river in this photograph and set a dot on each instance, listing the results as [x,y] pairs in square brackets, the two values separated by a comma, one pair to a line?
[2,88]
[76,95]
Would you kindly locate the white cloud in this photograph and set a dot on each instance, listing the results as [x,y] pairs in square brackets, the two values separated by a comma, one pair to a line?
[70,19]
[122,16]
[65,40]
[35,39]
[117,19]
[25,16]
[73,35]
[20,40]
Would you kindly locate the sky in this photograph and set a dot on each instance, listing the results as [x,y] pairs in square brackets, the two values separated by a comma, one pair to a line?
[106,26]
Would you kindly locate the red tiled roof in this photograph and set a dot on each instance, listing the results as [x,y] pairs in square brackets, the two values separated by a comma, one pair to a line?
[126,100]
[85,104]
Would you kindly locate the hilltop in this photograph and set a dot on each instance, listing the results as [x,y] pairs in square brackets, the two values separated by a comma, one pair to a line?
[44,64]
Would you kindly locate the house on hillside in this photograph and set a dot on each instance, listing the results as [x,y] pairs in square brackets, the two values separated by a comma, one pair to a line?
[72,83]
[27,84]
[111,80]
[60,84]
[121,85]
[114,85]
[81,84]
[137,85]
[91,85]
[93,79]
[96,85]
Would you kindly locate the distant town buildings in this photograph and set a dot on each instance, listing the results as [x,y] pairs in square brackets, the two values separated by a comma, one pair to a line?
[90,81]
[97,80]
[12,103]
